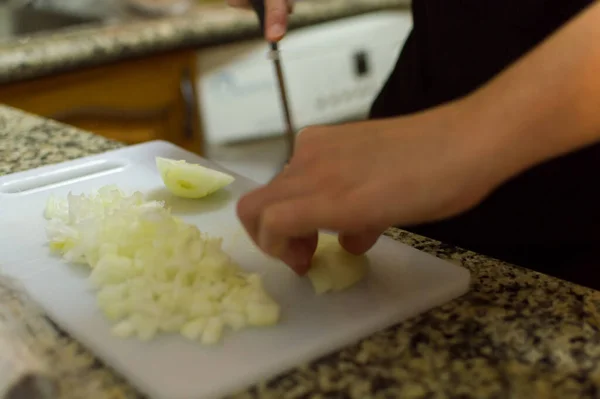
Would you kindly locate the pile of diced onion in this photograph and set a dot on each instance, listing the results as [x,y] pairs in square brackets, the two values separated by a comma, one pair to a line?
[154,273]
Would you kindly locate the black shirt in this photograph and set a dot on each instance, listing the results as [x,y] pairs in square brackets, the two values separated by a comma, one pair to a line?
[549,217]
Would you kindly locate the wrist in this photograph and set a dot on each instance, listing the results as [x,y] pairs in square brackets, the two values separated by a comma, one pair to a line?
[506,135]
[486,148]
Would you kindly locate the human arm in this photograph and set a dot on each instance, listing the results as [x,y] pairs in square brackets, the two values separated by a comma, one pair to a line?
[547,103]
[276,18]
[357,179]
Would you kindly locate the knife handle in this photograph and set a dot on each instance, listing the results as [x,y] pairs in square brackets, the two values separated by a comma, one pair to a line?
[259,9]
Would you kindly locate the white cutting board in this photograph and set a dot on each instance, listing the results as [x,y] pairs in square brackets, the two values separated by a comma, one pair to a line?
[402,282]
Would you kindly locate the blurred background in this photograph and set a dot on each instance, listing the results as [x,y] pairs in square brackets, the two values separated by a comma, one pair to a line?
[196,73]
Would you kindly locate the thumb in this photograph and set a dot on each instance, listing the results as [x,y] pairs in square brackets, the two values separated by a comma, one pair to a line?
[276,19]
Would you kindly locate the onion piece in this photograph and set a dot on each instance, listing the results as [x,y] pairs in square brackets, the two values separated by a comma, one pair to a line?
[190,180]
[333,268]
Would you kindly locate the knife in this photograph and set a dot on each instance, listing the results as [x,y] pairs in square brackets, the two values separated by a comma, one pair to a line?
[259,8]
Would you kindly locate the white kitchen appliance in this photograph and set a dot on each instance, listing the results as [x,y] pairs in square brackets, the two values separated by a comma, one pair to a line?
[333,72]
[402,282]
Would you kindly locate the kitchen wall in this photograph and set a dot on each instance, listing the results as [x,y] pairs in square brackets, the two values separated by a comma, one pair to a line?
[239,99]
[5,22]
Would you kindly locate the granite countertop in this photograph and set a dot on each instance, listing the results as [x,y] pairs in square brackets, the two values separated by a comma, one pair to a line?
[53,52]
[516,334]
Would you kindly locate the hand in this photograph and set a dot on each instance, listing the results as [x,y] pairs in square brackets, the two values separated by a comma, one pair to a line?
[276,19]
[358,179]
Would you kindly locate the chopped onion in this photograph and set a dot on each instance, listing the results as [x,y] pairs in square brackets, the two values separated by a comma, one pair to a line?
[154,273]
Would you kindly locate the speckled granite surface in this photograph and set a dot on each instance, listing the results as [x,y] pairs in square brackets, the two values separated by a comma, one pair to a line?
[516,334]
[86,46]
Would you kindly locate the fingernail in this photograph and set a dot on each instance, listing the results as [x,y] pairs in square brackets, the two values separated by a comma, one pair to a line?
[298,259]
[298,265]
[276,31]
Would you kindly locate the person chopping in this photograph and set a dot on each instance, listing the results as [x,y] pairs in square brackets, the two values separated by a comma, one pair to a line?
[485,136]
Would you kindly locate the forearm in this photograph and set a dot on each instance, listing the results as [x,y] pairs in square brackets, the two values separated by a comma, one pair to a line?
[546,104]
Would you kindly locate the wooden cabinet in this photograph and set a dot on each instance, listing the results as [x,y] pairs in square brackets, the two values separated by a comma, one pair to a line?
[130,101]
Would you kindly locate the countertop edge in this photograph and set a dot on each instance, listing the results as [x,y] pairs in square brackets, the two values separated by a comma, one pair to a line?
[516,333]
[29,58]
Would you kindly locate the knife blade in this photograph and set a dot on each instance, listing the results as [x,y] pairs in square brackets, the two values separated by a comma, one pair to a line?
[274,55]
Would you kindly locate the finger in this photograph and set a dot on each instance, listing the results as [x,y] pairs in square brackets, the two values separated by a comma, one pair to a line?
[248,206]
[276,19]
[302,216]
[279,236]
[297,253]
[360,243]
[251,206]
